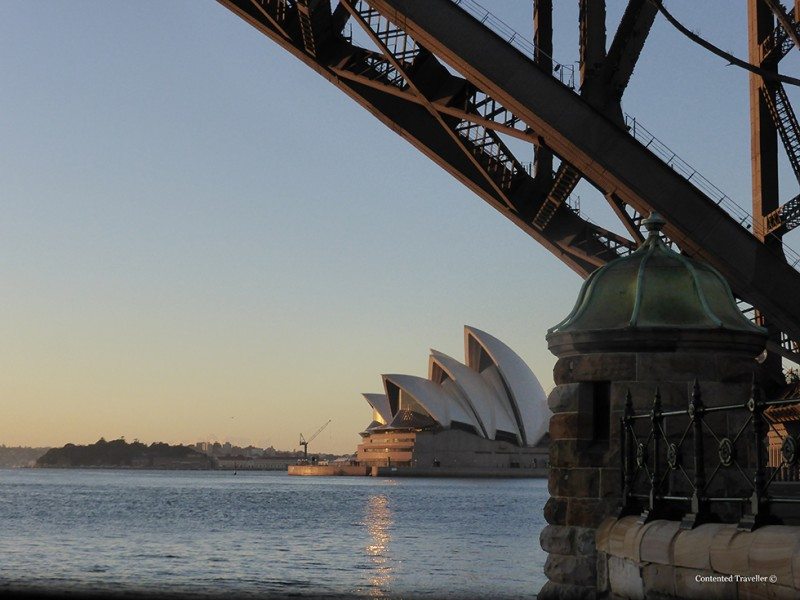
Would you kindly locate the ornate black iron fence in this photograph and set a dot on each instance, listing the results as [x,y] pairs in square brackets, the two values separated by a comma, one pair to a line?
[731,463]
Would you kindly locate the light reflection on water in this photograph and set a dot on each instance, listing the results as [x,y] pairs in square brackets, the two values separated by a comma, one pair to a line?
[379,520]
[264,534]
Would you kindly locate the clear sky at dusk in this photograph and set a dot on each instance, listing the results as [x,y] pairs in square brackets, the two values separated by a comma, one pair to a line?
[202,238]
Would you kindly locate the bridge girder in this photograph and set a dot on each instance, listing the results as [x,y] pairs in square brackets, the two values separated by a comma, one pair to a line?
[457,114]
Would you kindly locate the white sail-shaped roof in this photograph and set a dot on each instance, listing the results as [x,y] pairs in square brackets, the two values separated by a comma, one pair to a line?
[443,407]
[495,394]
[380,404]
[491,410]
[527,397]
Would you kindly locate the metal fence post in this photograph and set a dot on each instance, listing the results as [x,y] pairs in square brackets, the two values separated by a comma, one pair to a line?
[626,454]
[655,423]
[698,513]
[758,514]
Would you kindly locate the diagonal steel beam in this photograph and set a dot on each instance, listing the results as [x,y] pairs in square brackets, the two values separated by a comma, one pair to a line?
[784,120]
[783,18]
[441,105]
[605,153]
[606,87]
[564,182]
[555,120]
[592,42]
[578,243]
[543,44]
[777,43]
[784,218]
[604,77]
[273,20]
[632,223]
[427,104]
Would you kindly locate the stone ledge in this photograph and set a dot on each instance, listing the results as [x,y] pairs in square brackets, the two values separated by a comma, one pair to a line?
[729,555]
[657,542]
[603,533]
[719,553]
[659,559]
[771,552]
[619,533]
[691,547]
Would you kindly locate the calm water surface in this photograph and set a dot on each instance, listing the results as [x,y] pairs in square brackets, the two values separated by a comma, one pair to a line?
[268,534]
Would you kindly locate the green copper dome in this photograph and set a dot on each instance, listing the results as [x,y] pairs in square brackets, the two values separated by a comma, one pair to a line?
[655,289]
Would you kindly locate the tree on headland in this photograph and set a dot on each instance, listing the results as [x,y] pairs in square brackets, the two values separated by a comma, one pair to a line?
[118,453]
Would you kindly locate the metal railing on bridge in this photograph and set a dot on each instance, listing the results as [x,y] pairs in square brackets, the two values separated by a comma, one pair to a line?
[566,74]
[742,216]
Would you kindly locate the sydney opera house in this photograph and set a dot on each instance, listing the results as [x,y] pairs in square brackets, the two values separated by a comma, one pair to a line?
[488,413]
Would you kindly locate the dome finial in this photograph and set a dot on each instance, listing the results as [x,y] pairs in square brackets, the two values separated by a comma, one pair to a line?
[654,224]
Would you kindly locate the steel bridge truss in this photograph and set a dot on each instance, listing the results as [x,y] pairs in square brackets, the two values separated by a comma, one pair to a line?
[438,75]
[784,36]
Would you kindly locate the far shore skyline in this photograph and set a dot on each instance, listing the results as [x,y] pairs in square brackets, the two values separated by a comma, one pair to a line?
[242,443]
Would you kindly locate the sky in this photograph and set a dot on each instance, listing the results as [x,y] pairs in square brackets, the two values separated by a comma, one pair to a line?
[202,239]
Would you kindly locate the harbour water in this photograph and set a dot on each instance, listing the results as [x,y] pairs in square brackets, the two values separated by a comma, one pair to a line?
[267,534]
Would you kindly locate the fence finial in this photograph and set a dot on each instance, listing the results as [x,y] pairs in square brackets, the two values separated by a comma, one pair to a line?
[695,401]
[657,402]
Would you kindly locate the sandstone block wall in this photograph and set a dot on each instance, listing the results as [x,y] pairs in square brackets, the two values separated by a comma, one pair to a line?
[585,481]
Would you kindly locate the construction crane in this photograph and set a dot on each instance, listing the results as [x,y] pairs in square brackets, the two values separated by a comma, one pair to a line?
[305,442]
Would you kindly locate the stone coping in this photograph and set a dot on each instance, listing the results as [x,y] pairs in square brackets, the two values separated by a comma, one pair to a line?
[713,548]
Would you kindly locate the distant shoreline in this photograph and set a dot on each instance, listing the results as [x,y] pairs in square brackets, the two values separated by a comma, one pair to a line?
[145,468]
[119,454]
[160,469]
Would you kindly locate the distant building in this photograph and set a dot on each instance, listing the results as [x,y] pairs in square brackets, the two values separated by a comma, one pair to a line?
[490,413]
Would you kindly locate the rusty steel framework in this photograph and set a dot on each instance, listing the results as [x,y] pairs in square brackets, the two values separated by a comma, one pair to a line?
[454,81]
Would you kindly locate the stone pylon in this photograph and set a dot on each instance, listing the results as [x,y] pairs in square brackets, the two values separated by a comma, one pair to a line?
[651,322]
